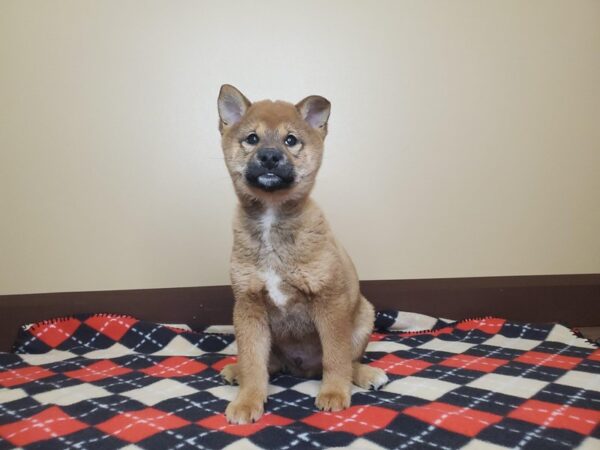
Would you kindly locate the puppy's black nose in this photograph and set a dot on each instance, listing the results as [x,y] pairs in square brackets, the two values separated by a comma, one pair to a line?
[269,157]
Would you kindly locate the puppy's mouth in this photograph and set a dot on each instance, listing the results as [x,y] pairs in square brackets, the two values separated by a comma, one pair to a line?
[270,179]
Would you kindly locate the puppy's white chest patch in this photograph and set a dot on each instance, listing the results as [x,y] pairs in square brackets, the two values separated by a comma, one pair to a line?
[266,222]
[270,277]
[272,283]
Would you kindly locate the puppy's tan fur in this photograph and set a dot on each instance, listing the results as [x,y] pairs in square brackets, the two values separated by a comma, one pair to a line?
[298,307]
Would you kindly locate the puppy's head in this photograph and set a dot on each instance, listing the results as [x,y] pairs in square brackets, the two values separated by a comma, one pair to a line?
[273,150]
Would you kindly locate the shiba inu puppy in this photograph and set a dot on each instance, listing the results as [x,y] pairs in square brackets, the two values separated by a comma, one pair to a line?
[298,307]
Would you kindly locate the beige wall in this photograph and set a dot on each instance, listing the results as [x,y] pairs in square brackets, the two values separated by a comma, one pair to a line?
[464,138]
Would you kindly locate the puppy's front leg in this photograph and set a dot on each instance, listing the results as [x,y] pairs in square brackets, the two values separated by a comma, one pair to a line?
[254,345]
[335,332]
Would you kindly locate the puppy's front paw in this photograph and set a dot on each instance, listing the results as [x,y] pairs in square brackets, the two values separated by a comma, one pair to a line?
[333,399]
[242,411]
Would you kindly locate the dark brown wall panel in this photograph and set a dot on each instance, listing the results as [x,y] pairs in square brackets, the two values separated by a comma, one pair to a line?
[570,299]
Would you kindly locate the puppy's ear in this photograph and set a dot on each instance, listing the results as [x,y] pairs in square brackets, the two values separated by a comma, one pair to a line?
[315,111]
[232,105]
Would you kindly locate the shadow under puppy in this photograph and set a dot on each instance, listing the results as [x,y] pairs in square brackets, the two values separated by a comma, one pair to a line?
[298,307]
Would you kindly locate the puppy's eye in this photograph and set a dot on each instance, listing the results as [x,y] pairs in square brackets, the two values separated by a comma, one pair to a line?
[290,140]
[252,139]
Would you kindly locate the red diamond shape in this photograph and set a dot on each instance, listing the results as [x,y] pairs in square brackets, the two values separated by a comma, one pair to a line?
[580,420]
[49,423]
[595,356]
[549,359]
[55,333]
[98,371]
[177,329]
[376,337]
[480,363]
[490,325]
[112,326]
[175,366]
[219,422]
[357,420]
[14,377]
[223,362]
[400,366]
[468,422]
[133,426]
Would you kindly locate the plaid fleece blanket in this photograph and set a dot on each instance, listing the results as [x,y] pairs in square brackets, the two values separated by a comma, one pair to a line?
[114,382]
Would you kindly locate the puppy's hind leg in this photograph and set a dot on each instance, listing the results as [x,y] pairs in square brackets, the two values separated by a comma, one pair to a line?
[363,375]
[230,373]
[368,377]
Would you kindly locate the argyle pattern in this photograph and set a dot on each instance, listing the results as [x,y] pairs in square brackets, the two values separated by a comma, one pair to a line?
[104,382]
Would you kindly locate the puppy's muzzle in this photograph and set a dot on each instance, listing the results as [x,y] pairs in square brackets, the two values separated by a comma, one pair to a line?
[270,170]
